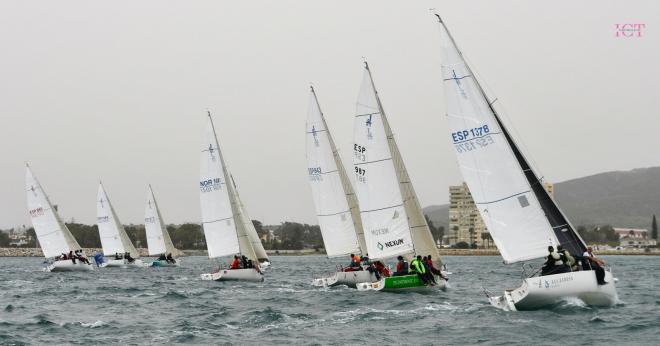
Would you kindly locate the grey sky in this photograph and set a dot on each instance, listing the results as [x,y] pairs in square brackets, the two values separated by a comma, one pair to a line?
[117,90]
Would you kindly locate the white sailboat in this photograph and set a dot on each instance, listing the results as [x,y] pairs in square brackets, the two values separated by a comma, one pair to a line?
[114,240]
[392,218]
[223,217]
[158,239]
[335,201]
[521,217]
[54,237]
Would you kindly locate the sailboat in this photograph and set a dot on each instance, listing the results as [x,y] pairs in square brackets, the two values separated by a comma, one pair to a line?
[114,240]
[520,215]
[223,216]
[54,237]
[158,239]
[336,204]
[393,221]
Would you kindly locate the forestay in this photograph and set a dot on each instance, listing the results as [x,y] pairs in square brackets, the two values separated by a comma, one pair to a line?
[53,235]
[324,167]
[158,239]
[383,214]
[502,193]
[217,214]
[113,236]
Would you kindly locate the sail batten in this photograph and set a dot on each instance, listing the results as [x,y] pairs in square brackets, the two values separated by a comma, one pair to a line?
[334,200]
[514,205]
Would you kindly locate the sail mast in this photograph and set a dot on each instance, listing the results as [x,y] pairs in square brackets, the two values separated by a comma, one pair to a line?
[423,242]
[561,227]
[351,197]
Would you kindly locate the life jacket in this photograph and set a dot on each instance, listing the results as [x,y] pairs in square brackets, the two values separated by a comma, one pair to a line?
[234,264]
[402,267]
[556,257]
[416,266]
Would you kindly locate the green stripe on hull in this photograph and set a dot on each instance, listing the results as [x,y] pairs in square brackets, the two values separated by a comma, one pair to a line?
[406,281]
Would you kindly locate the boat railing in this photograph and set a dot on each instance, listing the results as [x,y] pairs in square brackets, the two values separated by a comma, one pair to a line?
[525,268]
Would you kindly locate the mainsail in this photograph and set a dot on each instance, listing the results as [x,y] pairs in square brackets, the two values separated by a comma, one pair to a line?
[158,239]
[222,216]
[113,236]
[391,214]
[336,204]
[53,235]
[518,212]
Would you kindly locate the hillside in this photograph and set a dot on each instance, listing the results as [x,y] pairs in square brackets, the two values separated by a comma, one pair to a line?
[621,199]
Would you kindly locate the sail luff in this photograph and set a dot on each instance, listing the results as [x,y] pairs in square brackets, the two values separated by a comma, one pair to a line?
[505,188]
[419,229]
[53,235]
[119,228]
[378,187]
[347,191]
[218,219]
[240,217]
[251,231]
[563,229]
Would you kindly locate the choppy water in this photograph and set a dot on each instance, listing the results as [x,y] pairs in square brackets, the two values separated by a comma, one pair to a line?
[171,305]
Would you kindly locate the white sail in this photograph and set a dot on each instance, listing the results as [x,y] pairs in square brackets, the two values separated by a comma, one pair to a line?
[158,239]
[113,236]
[329,190]
[53,235]
[217,210]
[383,214]
[497,183]
[253,236]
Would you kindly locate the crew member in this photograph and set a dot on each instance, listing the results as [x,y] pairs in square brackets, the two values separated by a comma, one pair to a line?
[401,267]
[596,265]
[235,264]
[567,258]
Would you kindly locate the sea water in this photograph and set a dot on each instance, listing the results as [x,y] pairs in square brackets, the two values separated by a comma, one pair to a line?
[172,305]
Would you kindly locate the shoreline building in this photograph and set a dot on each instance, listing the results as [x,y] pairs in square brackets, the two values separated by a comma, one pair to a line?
[465,222]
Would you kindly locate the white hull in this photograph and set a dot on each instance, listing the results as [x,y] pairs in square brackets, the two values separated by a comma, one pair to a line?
[68,266]
[548,290]
[350,279]
[122,263]
[234,275]
[160,263]
[264,265]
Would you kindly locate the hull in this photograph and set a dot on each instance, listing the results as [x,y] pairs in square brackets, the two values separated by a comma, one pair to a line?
[234,275]
[350,279]
[548,290]
[159,263]
[264,265]
[122,263]
[401,283]
[68,266]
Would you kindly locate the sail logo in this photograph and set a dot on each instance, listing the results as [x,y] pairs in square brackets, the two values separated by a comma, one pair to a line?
[370,135]
[150,219]
[380,231]
[380,246]
[34,191]
[457,79]
[315,173]
[36,212]
[314,134]
[210,184]
[393,243]
[211,152]
[629,29]
[102,219]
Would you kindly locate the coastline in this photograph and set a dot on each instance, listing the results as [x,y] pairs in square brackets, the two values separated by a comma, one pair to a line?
[36,252]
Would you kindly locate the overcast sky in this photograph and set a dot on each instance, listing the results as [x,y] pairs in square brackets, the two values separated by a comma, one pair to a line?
[117,90]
